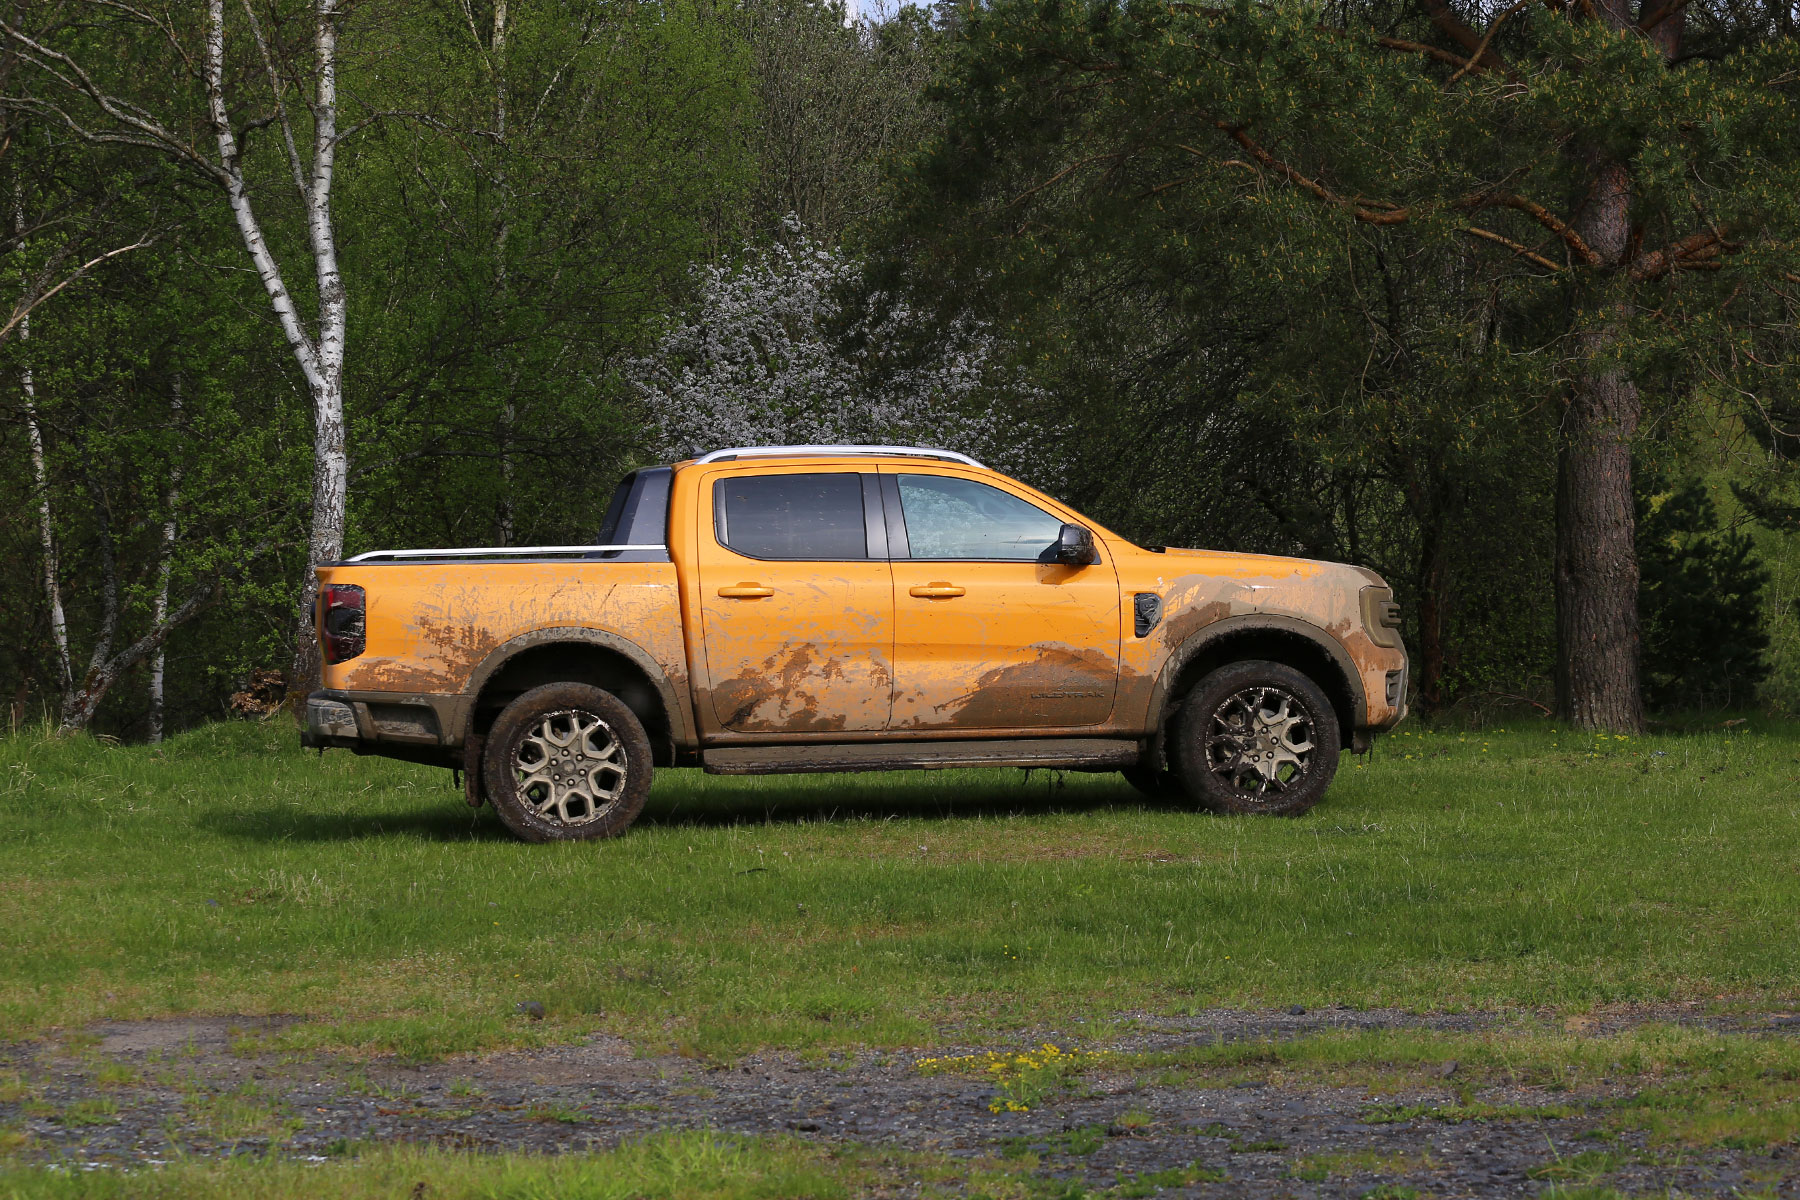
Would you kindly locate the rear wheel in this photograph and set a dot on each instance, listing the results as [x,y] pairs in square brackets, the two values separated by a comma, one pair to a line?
[1257,737]
[567,762]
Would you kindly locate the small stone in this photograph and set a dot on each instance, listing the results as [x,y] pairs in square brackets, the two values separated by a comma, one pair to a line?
[1297,1010]
[804,1126]
[1445,1069]
[532,1009]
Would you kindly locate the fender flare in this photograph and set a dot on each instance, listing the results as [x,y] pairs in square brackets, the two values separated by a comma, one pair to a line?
[674,698]
[1257,623]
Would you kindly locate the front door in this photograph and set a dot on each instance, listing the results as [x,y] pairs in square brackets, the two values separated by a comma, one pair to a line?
[796,601]
[988,634]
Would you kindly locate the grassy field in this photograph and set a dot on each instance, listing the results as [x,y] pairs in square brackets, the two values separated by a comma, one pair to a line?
[670,1167]
[229,872]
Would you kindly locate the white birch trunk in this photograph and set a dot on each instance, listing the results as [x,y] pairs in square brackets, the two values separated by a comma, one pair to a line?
[40,476]
[160,608]
[40,473]
[321,361]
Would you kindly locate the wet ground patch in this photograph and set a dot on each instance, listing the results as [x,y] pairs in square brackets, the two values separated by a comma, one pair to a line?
[1380,1104]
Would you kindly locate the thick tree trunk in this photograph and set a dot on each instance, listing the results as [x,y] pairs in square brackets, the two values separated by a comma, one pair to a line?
[1596,556]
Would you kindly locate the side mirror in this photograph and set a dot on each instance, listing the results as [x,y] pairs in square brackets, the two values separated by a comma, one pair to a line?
[1074,547]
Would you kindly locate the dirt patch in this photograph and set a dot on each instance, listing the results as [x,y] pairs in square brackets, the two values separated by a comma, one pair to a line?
[207,1034]
[144,1092]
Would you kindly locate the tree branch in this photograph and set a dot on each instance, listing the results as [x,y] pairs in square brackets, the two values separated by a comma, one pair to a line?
[1538,213]
[1464,64]
[1682,254]
[1444,17]
[1517,248]
[1070,169]
[27,303]
[1385,214]
[279,87]
[1487,39]
[122,111]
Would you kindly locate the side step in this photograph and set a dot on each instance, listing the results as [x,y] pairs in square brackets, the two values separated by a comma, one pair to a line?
[1080,754]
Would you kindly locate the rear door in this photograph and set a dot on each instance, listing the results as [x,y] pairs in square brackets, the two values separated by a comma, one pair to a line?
[796,600]
[989,634]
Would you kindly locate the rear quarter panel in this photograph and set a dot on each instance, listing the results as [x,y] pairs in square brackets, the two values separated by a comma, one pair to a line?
[431,625]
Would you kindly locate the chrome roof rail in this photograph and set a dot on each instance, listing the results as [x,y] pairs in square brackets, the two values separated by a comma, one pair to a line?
[799,451]
[494,552]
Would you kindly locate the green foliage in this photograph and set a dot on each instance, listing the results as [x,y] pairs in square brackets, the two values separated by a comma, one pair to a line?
[1255,249]
[515,245]
[1700,605]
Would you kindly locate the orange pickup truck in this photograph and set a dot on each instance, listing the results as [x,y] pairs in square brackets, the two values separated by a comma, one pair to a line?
[850,608]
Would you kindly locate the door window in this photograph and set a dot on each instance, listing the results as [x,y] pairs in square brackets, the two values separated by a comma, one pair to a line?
[804,517]
[953,518]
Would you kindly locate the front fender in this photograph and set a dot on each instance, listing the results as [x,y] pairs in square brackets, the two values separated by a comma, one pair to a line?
[1213,633]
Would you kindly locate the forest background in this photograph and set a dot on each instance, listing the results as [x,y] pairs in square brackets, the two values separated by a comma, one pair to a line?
[1497,298]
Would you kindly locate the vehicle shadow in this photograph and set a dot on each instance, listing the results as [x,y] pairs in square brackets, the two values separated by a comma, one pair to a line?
[905,802]
[432,821]
[447,819]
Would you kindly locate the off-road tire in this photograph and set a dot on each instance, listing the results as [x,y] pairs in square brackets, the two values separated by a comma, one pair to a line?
[1256,737]
[598,768]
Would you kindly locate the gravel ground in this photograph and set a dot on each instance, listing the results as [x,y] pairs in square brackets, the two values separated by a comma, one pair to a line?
[142,1092]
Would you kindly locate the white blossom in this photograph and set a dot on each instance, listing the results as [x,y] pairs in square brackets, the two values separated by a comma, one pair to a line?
[763,359]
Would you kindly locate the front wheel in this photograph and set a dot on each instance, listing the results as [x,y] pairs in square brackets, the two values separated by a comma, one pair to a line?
[1257,737]
[567,762]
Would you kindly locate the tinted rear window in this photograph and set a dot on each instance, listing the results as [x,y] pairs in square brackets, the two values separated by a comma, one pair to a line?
[791,516]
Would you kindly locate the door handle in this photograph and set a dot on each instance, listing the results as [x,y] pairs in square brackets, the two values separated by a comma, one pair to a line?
[746,591]
[936,591]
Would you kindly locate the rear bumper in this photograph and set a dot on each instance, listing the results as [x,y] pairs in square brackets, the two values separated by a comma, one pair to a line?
[399,725]
[329,721]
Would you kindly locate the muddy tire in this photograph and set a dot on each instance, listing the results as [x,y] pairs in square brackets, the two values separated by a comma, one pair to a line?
[567,762]
[1256,738]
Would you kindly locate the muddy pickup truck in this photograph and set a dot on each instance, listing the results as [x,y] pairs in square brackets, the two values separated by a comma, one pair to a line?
[850,608]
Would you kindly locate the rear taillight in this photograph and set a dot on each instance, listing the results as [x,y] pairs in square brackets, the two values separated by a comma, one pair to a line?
[341,626]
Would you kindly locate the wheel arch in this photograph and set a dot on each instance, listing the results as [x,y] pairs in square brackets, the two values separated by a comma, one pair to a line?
[582,655]
[1288,640]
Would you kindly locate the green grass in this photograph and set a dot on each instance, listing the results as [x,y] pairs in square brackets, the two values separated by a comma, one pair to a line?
[230,873]
[1680,1085]
[701,1166]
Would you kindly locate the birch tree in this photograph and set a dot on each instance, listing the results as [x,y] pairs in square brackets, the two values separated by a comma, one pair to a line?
[73,93]
[66,219]
[159,613]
